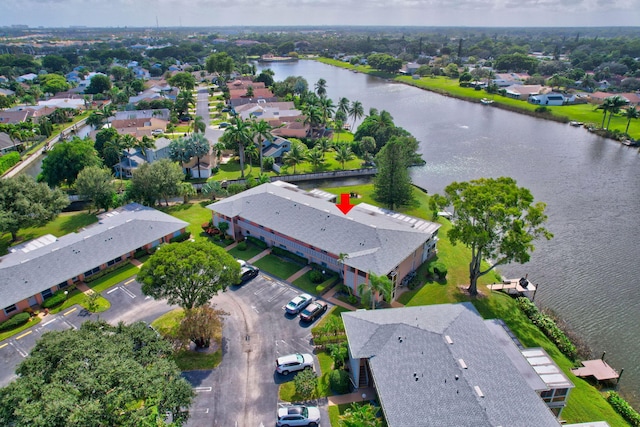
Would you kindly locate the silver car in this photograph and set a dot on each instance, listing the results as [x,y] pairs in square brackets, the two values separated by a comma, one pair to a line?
[297,415]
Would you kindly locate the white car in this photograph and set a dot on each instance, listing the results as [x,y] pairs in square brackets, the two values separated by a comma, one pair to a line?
[298,303]
[292,416]
[294,362]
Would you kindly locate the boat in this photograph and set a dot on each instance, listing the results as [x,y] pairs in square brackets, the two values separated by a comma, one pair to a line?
[575,124]
[486,101]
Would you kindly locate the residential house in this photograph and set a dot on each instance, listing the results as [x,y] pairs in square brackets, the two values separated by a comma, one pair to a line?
[26,77]
[443,365]
[366,240]
[4,79]
[275,148]
[7,144]
[33,271]
[548,99]
[14,116]
[510,79]
[6,92]
[238,93]
[267,110]
[633,99]
[410,68]
[74,77]
[523,92]
[290,127]
[598,97]
[163,114]
[135,157]
[139,127]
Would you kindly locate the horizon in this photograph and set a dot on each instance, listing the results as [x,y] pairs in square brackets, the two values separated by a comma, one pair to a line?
[321,13]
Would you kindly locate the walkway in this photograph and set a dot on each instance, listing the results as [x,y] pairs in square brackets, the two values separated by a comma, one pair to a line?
[329,296]
[356,396]
[260,255]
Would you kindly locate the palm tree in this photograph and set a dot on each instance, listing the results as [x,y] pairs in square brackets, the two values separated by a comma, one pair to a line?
[313,118]
[316,158]
[616,102]
[261,131]
[239,135]
[605,107]
[129,142]
[343,105]
[342,258]
[323,145]
[197,146]
[117,145]
[252,153]
[343,153]
[198,125]
[295,156]
[186,190]
[630,113]
[376,285]
[178,151]
[321,88]
[327,108]
[356,111]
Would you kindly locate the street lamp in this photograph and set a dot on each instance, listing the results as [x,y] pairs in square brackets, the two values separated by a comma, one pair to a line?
[364,396]
[66,293]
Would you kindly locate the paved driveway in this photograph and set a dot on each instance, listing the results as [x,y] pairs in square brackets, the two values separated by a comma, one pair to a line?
[243,389]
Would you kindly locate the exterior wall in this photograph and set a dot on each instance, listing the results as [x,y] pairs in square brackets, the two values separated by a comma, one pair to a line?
[556,399]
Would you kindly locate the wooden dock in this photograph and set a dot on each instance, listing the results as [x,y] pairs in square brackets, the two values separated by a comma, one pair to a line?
[598,369]
[522,287]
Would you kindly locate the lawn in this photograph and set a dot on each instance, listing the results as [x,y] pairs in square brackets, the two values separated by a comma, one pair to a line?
[250,252]
[304,282]
[195,213]
[12,332]
[277,266]
[65,223]
[287,392]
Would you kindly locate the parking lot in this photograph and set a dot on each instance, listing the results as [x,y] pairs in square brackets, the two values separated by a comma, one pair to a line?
[243,390]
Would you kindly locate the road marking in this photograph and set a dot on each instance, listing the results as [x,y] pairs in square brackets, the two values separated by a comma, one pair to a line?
[24,335]
[4,345]
[129,281]
[113,290]
[202,389]
[128,292]
[50,321]
[255,309]
[261,290]
[204,411]
[277,294]
[20,351]
[70,311]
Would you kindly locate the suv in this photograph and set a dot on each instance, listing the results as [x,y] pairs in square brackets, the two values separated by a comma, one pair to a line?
[247,271]
[297,415]
[293,362]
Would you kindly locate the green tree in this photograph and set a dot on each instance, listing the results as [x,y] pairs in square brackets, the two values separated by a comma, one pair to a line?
[117,147]
[252,154]
[183,81]
[96,183]
[197,146]
[25,203]
[98,375]
[306,383]
[617,102]
[321,87]
[361,416]
[497,220]
[343,105]
[316,158]
[376,285]
[343,153]
[65,160]
[188,274]
[356,112]
[121,73]
[295,156]
[201,325]
[631,113]
[220,63]
[55,63]
[238,136]
[198,125]
[261,131]
[392,183]
[99,84]
[102,144]
[159,180]
[53,83]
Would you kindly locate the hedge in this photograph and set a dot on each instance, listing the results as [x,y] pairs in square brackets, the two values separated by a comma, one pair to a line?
[180,238]
[339,381]
[107,270]
[259,243]
[15,321]
[8,161]
[548,326]
[58,298]
[288,254]
[622,407]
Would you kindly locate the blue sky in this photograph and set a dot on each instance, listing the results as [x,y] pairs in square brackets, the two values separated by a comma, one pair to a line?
[143,13]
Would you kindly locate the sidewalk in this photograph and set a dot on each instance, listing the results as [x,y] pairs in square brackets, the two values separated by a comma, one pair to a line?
[356,396]
[260,255]
[298,273]
[329,296]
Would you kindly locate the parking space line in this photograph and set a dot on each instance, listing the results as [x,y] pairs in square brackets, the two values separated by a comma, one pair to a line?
[20,351]
[70,311]
[24,335]
[261,290]
[202,389]
[113,289]
[129,281]
[277,294]
[50,321]
[255,309]
[4,345]
[128,292]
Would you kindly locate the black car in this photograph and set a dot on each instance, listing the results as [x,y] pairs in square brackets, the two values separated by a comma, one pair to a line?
[313,311]
[248,272]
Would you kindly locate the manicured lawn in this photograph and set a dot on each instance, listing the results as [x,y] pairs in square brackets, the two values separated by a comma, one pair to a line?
[195,360]
[250,252]
[77,297]
[304,282]
[167,324]
[287,390]
[276,266]
[12,332]
[108,280]
[65,223]
[195,213]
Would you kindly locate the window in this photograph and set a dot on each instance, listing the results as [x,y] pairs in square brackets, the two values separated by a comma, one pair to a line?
[46,294]
[91,272]
[562,391]
[113,261]
[63,285]
[10,309]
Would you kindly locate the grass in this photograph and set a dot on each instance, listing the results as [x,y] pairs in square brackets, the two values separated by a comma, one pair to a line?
[287,391]
[77,297]
[167,324]
[304,282]
[8,334]
[277,266]
[195,213]
[65,223]
[250,252]
[127,271]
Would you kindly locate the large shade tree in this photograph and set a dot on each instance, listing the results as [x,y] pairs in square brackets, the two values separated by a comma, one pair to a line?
[188,274]
[26,203]
[96,183]
[66,159]
[158,180]
[392,183]
[496,219]
[98,375]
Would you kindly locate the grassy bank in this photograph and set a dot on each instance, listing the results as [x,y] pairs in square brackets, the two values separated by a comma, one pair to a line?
[586,113]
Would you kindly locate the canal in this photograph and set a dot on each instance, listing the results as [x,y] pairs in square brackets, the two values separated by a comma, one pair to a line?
[587,273]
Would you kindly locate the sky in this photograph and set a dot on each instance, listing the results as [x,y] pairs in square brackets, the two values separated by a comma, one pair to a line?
[186,13]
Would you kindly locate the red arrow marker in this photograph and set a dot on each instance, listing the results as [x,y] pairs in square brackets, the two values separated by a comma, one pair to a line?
[345,204]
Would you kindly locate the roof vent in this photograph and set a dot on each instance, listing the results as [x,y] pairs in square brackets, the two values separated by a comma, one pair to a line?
[478,391]
[462,364]
[448,339]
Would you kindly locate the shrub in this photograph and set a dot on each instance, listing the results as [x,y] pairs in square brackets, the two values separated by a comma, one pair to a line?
[15,321]
[8,161]
[290,255]
[414,282]
[236,188]
[438,269]
[107,270]
[339,381]
[58,298]
[255,241]
[306,383]
[548,326]
[542,110]
[316,276]
[622,407]
[242,246]
[181,238]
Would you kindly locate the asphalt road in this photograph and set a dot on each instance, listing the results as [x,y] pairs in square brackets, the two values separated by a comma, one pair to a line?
[243,389]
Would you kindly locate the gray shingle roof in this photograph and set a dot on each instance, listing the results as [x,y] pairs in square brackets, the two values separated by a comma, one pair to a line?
[23,274]
[374,240]
[415,368]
